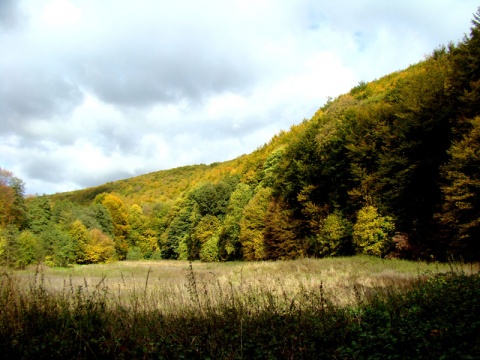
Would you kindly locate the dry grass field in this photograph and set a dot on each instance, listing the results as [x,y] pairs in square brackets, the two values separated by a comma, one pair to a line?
[341,308]
[172,286]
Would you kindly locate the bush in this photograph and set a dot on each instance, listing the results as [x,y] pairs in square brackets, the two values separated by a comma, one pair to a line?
[134,253]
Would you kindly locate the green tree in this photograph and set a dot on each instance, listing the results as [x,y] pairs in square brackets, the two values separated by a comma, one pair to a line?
[134,253]
[178,230]
[372,233]
[415,146]
[148,243]
[59,246]
[252,225]
[334,236]
[212,199]
[209,250]
[64,213]
[39,214]
[314,174]
[8,244]
[29,249]
[461,208]
[101,216]
[81,237]
[230,247]
[207,229]
[271,167]
[137,223]
[464,79]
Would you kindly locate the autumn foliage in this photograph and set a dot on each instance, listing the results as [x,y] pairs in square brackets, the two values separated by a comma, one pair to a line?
[396,155]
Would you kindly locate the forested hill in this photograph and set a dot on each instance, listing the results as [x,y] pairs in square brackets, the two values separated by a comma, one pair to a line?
[391,168]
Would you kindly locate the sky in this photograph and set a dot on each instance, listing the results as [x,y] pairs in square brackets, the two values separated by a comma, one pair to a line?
[95,91]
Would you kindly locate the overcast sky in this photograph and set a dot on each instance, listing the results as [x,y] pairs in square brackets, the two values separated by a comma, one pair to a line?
[93,91]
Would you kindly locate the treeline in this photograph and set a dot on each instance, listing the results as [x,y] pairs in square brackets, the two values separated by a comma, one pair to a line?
[390,169]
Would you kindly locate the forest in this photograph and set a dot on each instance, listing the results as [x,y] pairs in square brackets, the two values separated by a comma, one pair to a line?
[390,169]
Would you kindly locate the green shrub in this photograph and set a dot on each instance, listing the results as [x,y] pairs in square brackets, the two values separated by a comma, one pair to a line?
[134,253]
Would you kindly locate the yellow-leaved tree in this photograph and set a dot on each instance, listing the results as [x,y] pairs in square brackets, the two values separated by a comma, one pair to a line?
[372,233]
[121,227]
[100,248]
[252,225]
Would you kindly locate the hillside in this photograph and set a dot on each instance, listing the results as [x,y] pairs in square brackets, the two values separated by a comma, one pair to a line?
[389,169]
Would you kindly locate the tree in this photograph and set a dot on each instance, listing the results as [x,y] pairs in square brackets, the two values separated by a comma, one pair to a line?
[29,249]
[202,238]
[12,203]
[7,197]
[252,225]
[121,227]
[102,217]
[137,223]
[100,249]
[64,213]
[270,167]
[59,246]
[280,239]
[178,230]
[8,244]
[461,190]
[229,243]
[39,214]
[81,238]
[147,242]
[207,227]
[209,249]
[372,233]
[212,199]
[464,79]
[334,235]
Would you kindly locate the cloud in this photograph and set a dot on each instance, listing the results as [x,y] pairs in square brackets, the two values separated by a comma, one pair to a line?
[96,91]
[10,14]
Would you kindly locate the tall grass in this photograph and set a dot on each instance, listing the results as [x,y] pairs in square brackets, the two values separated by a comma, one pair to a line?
[357,307]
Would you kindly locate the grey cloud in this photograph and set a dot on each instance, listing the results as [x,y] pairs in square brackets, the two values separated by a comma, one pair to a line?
[144,74]
[86,179]
[10,13]
[116,138]
[46,166]
[28,93]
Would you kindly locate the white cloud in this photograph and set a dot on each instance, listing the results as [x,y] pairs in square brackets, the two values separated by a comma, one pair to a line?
[60,13]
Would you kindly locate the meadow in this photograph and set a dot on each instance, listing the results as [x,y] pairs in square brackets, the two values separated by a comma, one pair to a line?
[353,307]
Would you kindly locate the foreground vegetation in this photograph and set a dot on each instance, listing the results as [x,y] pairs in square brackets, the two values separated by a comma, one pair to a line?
[360,307]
